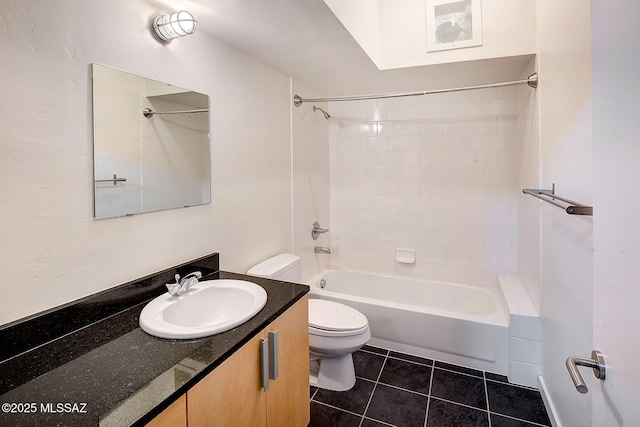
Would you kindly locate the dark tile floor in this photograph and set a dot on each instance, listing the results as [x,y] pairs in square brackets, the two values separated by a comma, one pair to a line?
[402,390]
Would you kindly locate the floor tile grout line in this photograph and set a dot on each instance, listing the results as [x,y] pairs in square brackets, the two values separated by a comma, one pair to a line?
[400,358]
[378,421]
[429,396]
[434,361]
[533,423]
[461,404]
[486,397]
[366,379]
[336,408]
[432,365]
[387,355]
[373,352]
[402,389]
[462,373]
[410,361]
[384,362]
[513,385]
[426,415]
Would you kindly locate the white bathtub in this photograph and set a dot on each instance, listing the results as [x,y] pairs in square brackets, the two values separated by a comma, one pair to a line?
[460,324]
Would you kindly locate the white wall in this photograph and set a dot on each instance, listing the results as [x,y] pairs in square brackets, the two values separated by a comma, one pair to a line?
[436,174]
[310,150]
[528,176]
[394,33]
[566,159]
[362,19]
[616,319]
[508,29]
[52,249]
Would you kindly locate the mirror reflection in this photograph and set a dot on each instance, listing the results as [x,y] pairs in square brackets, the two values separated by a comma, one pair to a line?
[150,145]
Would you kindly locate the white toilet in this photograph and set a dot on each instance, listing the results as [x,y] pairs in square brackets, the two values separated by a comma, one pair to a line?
[335,330]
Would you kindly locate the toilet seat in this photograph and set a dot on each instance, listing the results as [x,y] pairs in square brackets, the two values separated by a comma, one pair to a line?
[328,318]
[345,333]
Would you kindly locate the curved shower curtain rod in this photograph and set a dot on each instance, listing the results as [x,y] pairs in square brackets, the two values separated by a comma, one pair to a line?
[531,81]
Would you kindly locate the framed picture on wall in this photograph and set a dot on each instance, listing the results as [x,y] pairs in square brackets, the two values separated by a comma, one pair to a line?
[453,24]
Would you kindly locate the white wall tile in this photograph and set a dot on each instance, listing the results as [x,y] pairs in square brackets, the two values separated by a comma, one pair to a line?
[524,374]
[527,327]
[526,351]
[442,158]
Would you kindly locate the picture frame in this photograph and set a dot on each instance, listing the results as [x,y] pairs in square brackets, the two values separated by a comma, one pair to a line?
[453,24]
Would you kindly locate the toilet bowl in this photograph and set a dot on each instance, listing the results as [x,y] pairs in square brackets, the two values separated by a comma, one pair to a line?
[335,330]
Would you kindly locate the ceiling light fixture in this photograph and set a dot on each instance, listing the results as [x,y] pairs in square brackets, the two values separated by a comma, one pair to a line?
[174,25]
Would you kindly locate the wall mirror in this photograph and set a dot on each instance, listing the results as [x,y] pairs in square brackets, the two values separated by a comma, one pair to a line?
[150,145]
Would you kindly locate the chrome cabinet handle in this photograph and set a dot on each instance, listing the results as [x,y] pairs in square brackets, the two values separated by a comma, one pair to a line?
[264,363]
[596,362]
[273,355]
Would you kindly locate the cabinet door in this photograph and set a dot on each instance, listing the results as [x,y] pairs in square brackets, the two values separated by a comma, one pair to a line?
[174,416]
[288,395]
[231,395]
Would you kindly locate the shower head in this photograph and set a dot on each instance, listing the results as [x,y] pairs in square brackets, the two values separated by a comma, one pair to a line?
[326,115]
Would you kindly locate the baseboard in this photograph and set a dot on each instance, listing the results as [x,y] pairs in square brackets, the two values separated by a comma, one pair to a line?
[548,404]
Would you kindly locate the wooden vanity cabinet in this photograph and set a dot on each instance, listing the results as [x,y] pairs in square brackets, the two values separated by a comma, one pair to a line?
[288,395]
[174,416]
[232,395]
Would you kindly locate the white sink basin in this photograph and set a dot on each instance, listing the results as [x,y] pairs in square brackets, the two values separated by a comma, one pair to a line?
[208,308]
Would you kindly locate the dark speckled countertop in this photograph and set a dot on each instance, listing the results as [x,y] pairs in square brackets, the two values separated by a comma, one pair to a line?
[106,371]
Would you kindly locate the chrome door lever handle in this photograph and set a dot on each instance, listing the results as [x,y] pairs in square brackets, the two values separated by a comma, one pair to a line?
[596,362]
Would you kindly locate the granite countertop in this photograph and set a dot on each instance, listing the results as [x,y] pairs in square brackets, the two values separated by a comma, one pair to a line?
[111,373]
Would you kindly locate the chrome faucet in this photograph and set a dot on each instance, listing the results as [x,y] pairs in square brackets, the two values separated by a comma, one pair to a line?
[321,249]
[182,285]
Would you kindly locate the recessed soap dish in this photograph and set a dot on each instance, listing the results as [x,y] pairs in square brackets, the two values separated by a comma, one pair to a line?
[406,256]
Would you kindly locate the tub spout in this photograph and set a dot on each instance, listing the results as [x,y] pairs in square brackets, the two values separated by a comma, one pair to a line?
[321,250]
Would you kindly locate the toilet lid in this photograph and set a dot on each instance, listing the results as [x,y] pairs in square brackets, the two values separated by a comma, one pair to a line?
[332,316]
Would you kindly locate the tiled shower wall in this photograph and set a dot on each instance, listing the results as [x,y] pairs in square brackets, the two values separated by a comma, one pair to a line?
[436,174]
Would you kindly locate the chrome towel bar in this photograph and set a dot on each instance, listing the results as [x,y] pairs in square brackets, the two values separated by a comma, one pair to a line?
[148,112]
[549,196]
[115,179]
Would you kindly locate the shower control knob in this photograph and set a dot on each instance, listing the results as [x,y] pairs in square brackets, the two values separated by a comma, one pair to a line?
[317,230]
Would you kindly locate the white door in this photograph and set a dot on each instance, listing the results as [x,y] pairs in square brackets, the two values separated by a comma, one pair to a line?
[616,223]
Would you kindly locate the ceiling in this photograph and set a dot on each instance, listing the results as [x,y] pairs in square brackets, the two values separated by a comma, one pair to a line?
[304,39]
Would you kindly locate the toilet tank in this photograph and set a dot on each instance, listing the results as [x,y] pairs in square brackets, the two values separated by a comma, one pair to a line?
[285,267]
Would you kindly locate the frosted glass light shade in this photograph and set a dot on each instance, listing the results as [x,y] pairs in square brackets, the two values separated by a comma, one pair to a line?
[174,25]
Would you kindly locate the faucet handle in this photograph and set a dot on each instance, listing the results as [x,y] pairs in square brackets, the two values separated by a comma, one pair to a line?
[173,288]
[196,275]
[182,285]
[317,230]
